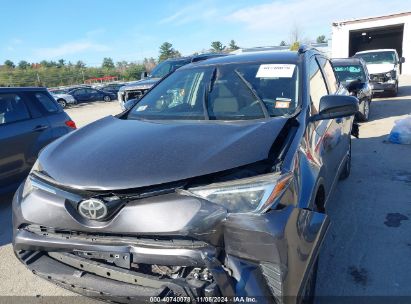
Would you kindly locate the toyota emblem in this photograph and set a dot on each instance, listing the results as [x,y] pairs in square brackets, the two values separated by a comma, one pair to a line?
[93,209]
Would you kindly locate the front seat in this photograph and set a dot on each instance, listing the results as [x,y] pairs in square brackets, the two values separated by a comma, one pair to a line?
[223,102]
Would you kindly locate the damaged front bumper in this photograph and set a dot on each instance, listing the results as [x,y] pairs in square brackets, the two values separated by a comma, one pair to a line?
[191,248]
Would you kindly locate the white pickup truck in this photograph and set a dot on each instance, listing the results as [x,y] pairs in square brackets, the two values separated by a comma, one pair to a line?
[384,68]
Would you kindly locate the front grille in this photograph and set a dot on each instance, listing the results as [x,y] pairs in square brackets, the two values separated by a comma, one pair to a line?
[137,94]
[153,241]
[379,77]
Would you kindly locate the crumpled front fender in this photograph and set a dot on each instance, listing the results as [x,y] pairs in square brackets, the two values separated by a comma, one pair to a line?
[286,241]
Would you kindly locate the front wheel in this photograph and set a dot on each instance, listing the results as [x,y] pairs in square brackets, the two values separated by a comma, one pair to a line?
[107,98]
[394,93]
[365,115]
[63,103]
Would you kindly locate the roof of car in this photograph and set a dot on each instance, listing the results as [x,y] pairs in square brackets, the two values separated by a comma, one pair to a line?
[21,89]
[347,61]
[269,56]
[191,58]
[375,51]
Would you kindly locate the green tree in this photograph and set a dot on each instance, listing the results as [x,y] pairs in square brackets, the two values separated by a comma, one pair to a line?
[167,51]
[321,39]
[149,64]
[134,71]
[217,46]
[233,46]
[283,43]
[23,64]
[80,64]
[107,63]
[61,63]
[10,64]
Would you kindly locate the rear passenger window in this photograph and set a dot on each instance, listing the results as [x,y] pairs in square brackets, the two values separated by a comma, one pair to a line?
[328,74]
[48,104]
[12,109]
[318,87]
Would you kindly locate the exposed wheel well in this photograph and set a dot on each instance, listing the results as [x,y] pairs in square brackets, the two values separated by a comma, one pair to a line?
[320,199]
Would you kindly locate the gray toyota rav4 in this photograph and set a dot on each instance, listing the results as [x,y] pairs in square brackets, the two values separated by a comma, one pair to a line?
[213,187]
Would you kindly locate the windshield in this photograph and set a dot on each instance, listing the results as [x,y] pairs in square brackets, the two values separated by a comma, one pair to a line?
[378,57]
[166,67]
[227,92]
[349,73]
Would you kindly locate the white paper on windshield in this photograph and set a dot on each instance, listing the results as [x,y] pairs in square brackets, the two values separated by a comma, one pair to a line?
[141,108]
[275,71]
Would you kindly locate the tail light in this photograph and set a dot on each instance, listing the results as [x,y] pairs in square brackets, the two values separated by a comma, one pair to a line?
[71,124]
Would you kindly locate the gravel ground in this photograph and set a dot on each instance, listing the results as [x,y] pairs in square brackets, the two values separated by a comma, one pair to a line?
[367,249]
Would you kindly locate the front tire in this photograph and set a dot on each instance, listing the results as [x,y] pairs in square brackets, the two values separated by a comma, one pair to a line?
[394,93]
[365,115]
[62,103]
[107,98]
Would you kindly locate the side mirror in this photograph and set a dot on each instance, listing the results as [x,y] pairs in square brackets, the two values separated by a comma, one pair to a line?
[336,106]
[129,104]
[144,75]
[355,85]
[402,59]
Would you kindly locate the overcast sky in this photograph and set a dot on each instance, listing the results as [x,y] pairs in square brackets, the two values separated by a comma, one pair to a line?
[90,30]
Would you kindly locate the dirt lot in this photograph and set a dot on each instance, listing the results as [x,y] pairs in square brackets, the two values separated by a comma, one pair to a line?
[368,247]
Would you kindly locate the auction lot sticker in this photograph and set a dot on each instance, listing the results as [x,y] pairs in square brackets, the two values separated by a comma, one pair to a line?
[275,71]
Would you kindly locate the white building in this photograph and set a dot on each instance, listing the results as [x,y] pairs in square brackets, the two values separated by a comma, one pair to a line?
[383,32]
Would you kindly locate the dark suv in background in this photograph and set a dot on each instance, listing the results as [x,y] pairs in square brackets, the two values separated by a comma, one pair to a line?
[353,74]
[218,187]
[137,89]
[30,118]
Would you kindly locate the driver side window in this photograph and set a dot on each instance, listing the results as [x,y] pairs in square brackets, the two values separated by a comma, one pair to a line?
[318,87]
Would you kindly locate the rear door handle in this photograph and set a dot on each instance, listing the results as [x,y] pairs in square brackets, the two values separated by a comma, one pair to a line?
[40,128]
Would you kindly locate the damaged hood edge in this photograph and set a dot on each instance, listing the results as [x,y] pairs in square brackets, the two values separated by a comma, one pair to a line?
[115,154]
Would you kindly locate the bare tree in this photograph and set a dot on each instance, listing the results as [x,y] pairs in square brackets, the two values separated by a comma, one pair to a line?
[296,34]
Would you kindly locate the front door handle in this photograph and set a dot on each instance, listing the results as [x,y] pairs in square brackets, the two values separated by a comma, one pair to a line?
[40,128]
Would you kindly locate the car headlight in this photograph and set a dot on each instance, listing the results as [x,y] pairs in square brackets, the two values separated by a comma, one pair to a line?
[28,186]
[390,74]
[255,194]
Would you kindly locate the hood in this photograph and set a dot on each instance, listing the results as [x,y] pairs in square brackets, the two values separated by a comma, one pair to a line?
[380,68]
[141,84]
[112,153]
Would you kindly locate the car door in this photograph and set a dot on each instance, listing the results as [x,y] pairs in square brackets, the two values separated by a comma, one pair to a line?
[327,132]
[80,95]
[342,126]
[21,129]
[94,95]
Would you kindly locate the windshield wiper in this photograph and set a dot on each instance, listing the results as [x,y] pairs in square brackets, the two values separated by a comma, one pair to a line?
[251,89]
[207,91]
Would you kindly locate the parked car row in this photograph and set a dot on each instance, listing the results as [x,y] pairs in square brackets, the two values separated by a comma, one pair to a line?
[79,94]
[368,73]
[214,183]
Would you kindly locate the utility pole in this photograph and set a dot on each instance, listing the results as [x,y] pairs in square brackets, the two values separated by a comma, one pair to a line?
[82,72]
